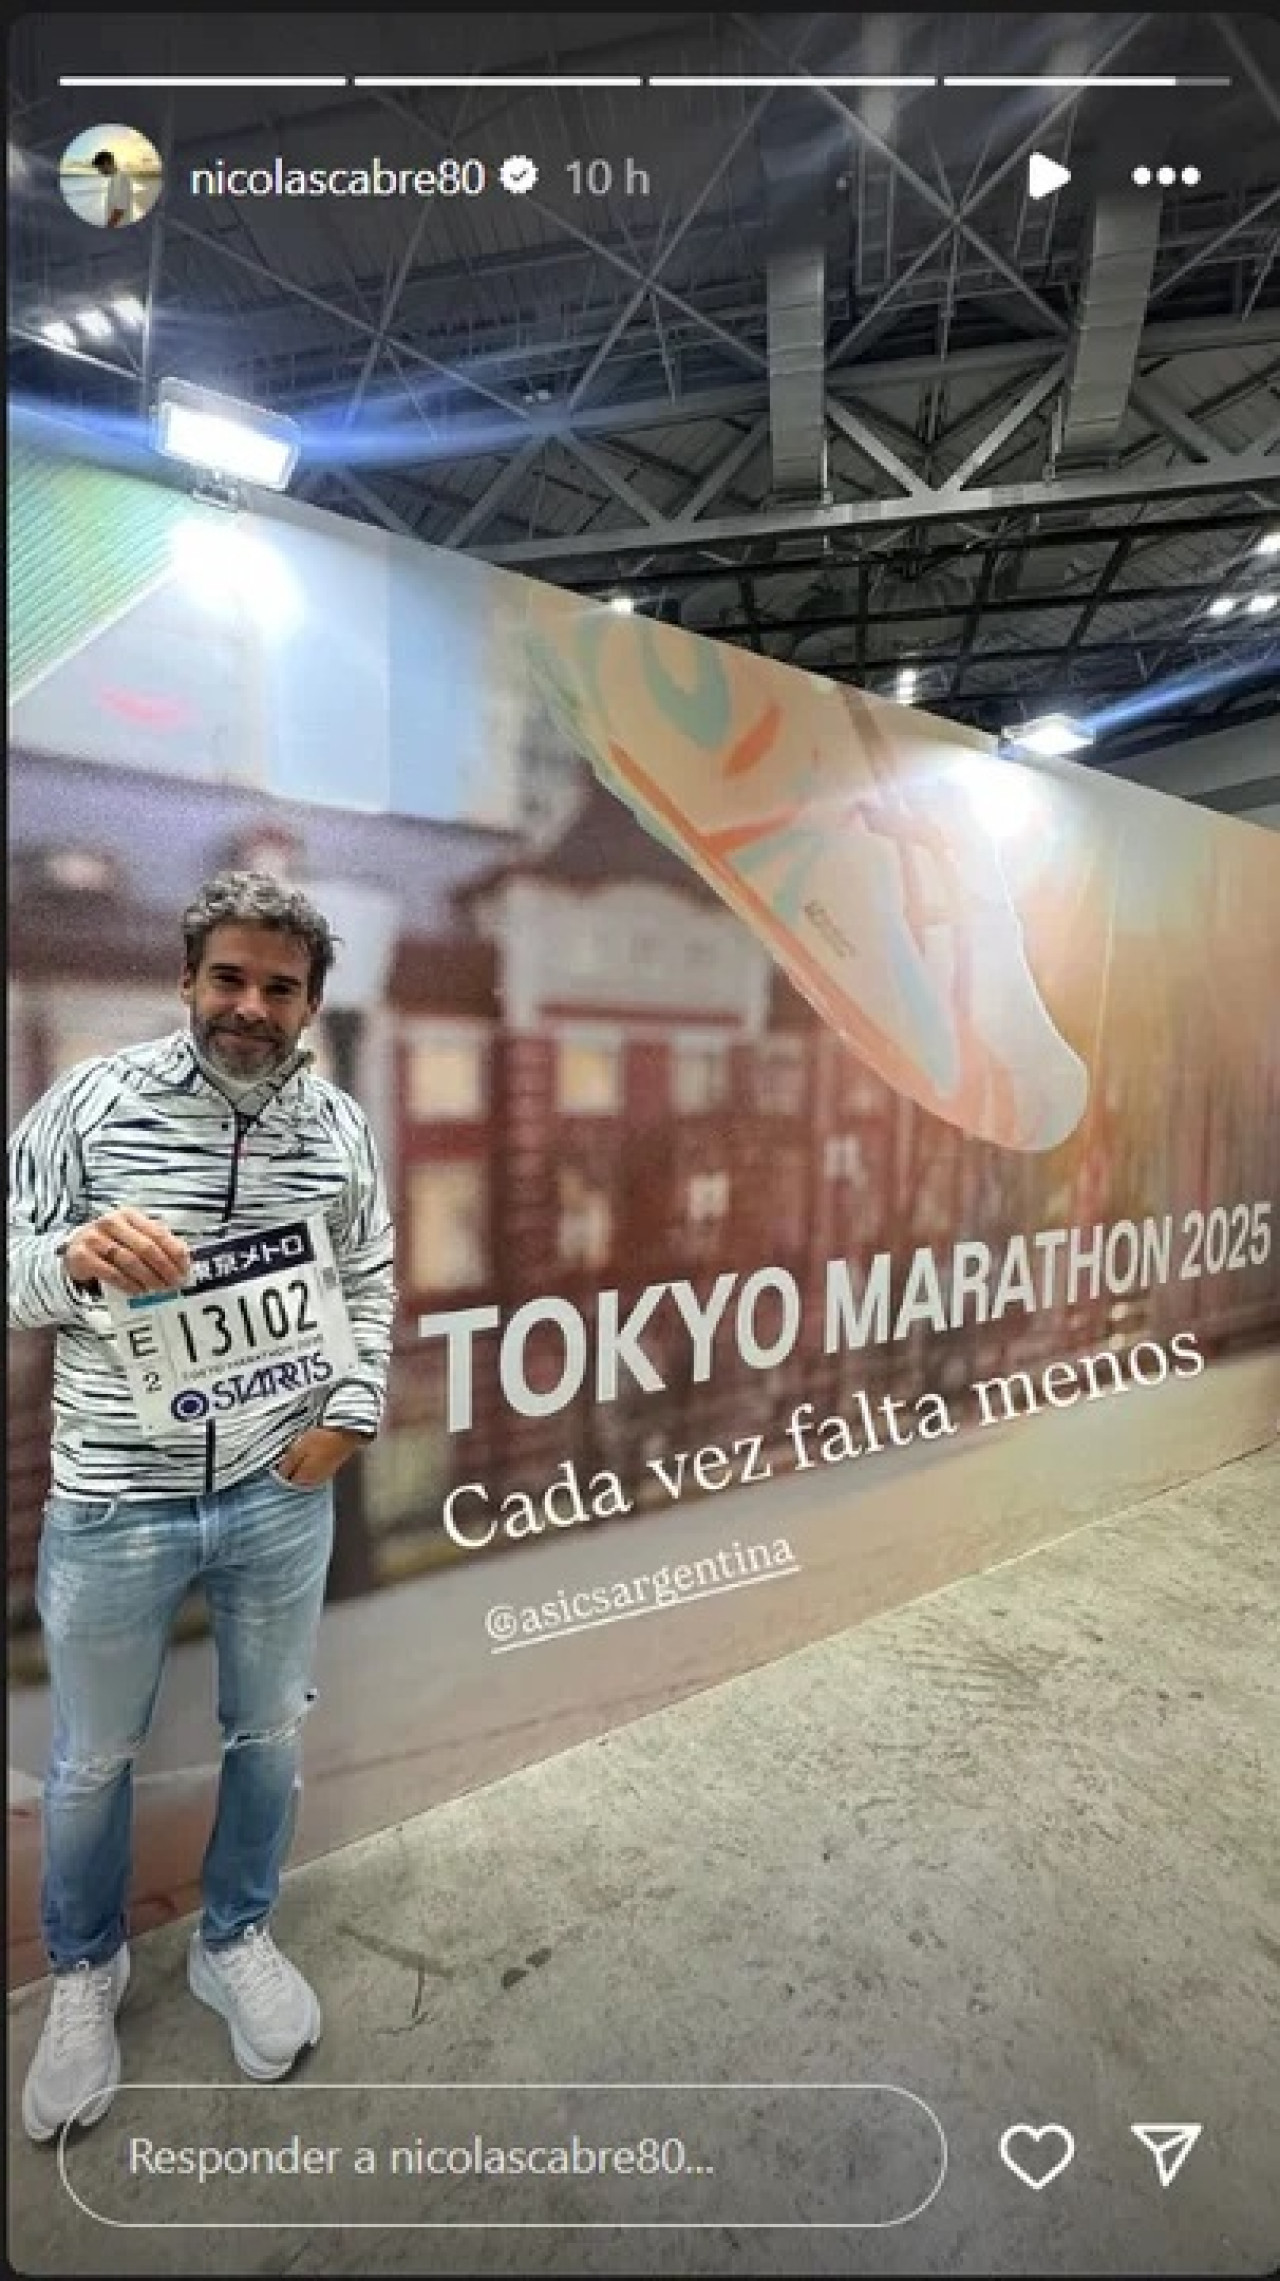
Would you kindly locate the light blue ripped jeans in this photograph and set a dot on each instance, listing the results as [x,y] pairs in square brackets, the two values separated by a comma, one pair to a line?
[112,1576]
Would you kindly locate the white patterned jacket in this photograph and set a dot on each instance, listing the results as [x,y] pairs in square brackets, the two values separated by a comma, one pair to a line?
[145,1127]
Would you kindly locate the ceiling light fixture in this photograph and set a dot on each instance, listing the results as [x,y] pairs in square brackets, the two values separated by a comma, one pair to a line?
[96,323]
[1051,737]
[129,309]
[1222,606]
[232,441]
[1269,543]
[59,333]
[1258,605]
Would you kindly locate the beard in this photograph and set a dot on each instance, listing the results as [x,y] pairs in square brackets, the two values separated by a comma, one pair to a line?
[241,1053]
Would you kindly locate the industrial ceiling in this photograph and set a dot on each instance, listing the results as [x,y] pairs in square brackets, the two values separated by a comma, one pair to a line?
[804,366]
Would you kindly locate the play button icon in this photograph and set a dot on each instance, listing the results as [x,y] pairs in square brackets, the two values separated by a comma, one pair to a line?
[1044,175]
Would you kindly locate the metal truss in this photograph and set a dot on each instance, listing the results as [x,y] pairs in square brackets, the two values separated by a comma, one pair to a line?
[595,405]
[1222,473]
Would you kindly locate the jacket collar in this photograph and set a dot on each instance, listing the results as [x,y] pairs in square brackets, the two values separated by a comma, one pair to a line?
[192,1074]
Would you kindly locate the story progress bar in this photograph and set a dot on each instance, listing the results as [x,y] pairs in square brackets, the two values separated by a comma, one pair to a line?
[660,80]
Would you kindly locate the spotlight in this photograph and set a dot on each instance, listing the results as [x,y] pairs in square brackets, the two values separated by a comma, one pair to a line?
[1258,605]
[1269,543]
[908,679]
[235,442]
[1051,737]
[1222,606]
[59,333]
[622,603]
[129,309]
[96,323]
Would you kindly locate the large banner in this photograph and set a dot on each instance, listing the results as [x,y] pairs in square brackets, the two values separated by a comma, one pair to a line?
[828,1155]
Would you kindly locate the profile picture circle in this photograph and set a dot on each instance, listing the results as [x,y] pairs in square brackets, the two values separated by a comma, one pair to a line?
[110,176]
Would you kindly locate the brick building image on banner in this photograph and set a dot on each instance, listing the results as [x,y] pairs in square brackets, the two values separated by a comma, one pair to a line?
[585,1075]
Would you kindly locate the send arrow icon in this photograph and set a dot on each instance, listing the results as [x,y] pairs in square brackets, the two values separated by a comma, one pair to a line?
[1170,2143]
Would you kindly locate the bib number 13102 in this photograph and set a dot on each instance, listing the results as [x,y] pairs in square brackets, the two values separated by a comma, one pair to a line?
[247,1321]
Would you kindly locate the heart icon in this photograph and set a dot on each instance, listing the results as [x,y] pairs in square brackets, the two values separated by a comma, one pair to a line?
[1044,2168]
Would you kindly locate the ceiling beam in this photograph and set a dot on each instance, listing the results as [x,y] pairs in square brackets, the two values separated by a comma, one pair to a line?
[972,621]
[1029,402]
[458,376]
[477,515]
[1149,398]
[1123,549]
[864,439]
[648,286]
[1029,653]
[1013,605]
[380,509]
[959,217]
[1248,62]
[1215,244]
[599,465]
[1225,473]
[1074,535]
[480,435]
[718,477]
[386,315]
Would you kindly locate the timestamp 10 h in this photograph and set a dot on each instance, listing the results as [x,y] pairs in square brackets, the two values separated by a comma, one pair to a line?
[598,177]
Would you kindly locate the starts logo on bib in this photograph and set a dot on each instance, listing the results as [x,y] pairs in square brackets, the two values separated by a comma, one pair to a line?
[268,1382]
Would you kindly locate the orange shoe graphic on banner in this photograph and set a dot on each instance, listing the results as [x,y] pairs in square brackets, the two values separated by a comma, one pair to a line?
[837,826]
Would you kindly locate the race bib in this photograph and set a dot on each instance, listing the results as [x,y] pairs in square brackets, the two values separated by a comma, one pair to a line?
[260,1321]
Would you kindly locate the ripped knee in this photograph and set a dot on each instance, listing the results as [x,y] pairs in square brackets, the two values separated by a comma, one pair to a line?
[285,1730]
[91,1770]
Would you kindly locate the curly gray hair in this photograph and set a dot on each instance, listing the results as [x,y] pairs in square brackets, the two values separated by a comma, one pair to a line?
[255,899]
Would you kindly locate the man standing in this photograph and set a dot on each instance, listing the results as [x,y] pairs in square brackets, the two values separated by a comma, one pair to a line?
[117,211]
[125,1164]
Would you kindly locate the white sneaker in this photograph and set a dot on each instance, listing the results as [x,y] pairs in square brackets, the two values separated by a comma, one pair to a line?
[272,2012]
[77,2063]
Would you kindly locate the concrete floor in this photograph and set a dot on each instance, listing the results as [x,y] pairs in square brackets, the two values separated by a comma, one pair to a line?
[450,1714]
[1010,1854]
